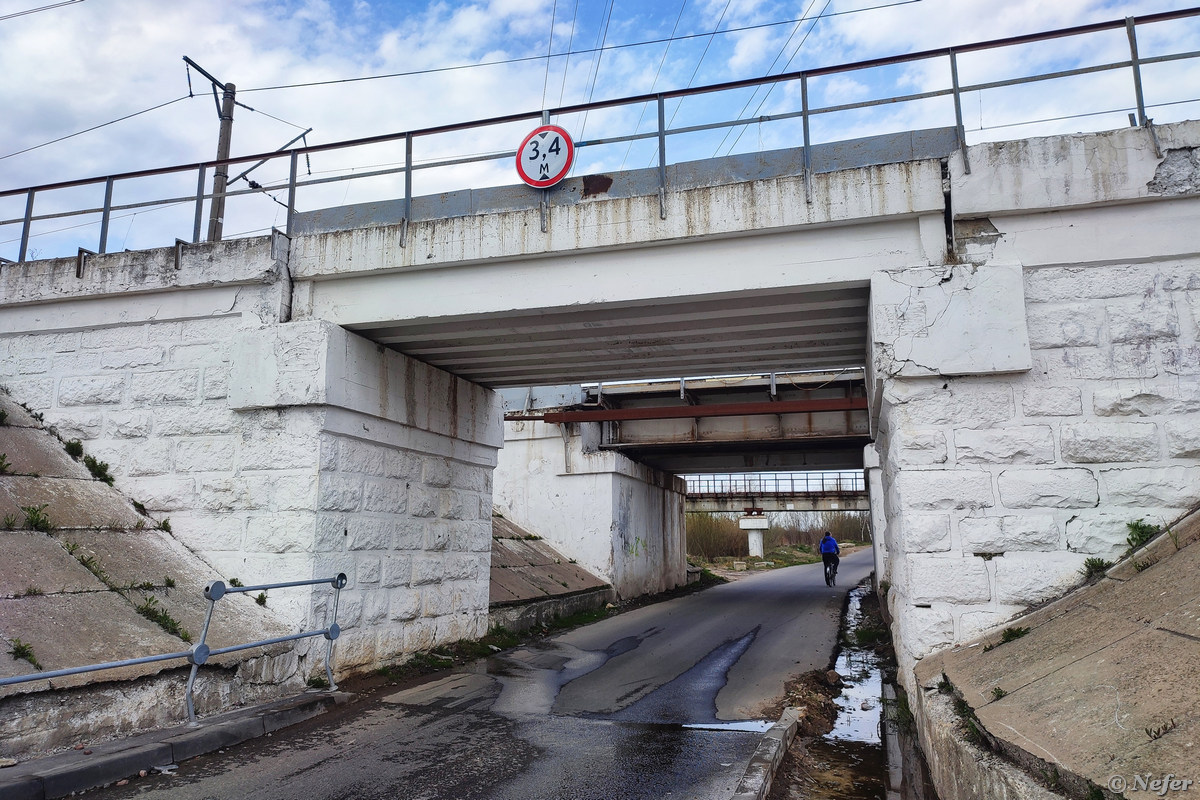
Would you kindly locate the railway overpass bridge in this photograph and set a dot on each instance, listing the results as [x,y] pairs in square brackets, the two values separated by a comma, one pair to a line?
[1021,316]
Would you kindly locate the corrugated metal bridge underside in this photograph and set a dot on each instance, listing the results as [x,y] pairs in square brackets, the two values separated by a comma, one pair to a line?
[690,335]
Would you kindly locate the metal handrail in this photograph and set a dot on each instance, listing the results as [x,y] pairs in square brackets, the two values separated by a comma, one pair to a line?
[200,652]
[805,114]
[779,484]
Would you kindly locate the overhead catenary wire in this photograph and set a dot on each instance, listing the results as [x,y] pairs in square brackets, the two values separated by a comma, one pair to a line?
[95,127]
[567,54]
[36,10]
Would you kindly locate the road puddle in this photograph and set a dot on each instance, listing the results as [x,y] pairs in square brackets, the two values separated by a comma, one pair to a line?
[850,762]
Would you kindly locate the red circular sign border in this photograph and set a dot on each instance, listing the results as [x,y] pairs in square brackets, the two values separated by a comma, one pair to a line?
[538,184]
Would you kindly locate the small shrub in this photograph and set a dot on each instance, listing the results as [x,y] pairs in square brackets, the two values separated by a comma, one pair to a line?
[234,582]
[3,418]
[140,508]
[1012,634]
[5,467]
[74,448]
[99,469]
[1094,568]
[31,591]
[1139,533]
[168,582]
[998,693]
[318,682]
[10,522]
[261,598]
[165,525]
[23,651]
[37,519]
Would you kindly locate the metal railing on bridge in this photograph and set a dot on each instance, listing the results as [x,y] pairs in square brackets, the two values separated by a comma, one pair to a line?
[98,206]
[795,484]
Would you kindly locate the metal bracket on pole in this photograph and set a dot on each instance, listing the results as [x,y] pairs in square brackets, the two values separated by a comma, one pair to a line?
[662,157]
[179,243]
[199,204]
[291,208]
[80,258]
[808,195]
[408,166]
[1153,137]
[958,117]
[106,215]
[25,227]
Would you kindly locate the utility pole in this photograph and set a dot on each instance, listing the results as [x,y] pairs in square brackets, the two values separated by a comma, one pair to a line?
[216,217]
[225,106]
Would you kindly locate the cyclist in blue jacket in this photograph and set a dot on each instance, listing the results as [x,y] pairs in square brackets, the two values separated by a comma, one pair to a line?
[829,555]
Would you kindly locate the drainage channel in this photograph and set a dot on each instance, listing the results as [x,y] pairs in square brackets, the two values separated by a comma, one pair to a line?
[868,754]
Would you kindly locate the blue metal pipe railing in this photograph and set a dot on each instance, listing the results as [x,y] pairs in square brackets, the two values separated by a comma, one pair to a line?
[200,652]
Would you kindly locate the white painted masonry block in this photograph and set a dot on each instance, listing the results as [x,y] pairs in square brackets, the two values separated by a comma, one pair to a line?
[1099,534]
[1150,487]
[918,447]
[1048,488]
[1003,534]
[1183,438]
[1102,442]
[1030,578]
[923,630]
[925,533]
[948,579]
[1055,401]
[1148,398]
[939,490]
[1026,445]
[950,320]
[916,403]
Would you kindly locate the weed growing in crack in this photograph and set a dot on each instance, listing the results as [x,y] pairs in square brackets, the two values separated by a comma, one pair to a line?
[1094,568]
[1160,731]
[99,469]
[5,467]
[37,519]
[151,610]
[1140,533]
[74,448]
[23,651]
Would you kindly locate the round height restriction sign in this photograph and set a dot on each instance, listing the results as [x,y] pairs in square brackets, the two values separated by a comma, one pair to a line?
[545,157]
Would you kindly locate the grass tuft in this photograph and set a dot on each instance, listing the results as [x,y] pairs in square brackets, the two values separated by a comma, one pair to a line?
[23,651]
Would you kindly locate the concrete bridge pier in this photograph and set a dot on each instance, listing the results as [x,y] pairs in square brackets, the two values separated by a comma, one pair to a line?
[622,520]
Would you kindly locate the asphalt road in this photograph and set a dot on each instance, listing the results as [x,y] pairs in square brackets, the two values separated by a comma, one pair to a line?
[666,700]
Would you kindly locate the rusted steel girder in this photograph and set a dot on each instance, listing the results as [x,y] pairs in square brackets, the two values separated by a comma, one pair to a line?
[689,412]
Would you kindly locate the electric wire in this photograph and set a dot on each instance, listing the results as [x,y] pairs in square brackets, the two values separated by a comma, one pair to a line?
[96,127]
[570,43]
[596,68]
[770,69]
[549,49]
[771,88]
[525,59]
[36,10]
[654,83]
[696,71]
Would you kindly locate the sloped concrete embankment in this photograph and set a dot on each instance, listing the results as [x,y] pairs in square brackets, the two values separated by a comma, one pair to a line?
[86,578]
[1092,696]
[532,583]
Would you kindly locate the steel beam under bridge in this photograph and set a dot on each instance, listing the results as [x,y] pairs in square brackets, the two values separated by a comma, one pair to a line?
[796,491]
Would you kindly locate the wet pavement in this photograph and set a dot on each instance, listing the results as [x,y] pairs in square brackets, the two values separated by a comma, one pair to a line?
[668,700]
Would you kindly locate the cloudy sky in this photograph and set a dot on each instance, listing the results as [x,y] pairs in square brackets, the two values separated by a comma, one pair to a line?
[317,64]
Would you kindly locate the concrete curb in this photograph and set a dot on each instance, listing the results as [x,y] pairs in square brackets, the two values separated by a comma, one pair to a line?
[756,783]
[73,771]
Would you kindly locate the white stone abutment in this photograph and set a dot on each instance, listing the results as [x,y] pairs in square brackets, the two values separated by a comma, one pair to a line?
[621,520]
[278,450]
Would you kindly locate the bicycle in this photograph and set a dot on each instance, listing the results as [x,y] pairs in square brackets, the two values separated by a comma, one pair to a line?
[831,568]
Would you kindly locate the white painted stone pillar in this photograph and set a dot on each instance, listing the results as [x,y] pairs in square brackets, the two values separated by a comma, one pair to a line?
[621,520]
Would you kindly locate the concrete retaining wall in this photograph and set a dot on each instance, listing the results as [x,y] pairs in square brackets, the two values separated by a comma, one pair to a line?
[619,519]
